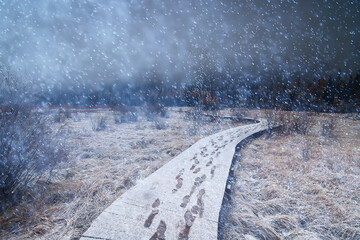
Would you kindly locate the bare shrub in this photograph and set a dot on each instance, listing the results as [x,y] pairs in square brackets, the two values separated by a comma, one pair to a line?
[272,118]
[153,111]
[99,123]
[27,151]
[328,126]
[294,122]
[123,114]
[289,122]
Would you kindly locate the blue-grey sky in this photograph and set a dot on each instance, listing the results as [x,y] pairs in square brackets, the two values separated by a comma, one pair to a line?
[81,41]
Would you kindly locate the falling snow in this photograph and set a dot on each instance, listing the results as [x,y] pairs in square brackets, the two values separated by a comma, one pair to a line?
[97,95]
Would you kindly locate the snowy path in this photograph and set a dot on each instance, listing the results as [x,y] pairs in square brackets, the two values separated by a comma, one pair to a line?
[182,199]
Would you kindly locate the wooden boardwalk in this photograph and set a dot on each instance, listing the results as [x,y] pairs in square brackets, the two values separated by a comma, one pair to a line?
[181,200]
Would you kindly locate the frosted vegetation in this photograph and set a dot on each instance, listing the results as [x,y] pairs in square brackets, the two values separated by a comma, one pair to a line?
[297,184]
[95,95]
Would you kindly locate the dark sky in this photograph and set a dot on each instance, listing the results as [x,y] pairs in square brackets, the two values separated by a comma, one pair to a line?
[81,41]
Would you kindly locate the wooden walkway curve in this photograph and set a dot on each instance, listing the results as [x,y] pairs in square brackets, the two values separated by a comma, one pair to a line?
[182,199]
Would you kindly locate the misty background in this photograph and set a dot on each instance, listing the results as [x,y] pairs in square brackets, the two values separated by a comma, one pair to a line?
[86,45]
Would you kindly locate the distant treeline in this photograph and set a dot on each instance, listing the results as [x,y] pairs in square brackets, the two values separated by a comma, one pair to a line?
[330,94]
[213,90]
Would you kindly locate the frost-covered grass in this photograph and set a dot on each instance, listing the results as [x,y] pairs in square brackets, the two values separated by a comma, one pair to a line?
[299,186]
[103,163]
[293,186]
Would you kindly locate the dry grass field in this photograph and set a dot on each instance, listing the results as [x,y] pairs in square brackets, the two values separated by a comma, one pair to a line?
[288,186]
[299,186]
[108,153]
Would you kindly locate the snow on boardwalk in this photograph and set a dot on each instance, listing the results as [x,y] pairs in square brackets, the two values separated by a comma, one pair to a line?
[181,200]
